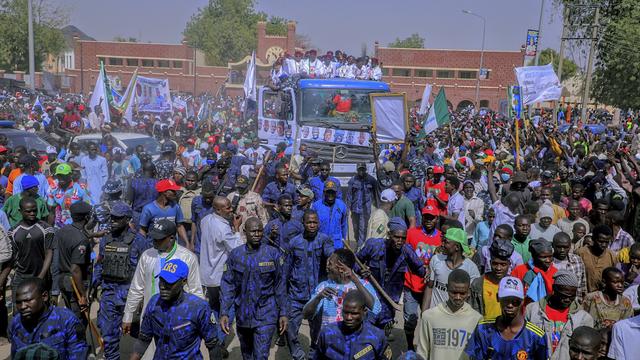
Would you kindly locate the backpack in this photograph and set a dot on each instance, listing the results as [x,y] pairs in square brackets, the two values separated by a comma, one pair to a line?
[116,264]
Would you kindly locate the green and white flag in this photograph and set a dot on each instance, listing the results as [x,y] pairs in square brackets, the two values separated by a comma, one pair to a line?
[438,114]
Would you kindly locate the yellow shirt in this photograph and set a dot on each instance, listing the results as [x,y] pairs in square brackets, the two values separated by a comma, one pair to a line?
[490,298]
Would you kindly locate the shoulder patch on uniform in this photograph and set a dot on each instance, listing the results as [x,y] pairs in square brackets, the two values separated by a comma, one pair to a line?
[224,268]
[212,318]
[362,352]
[388,354]
[534,328]
[380,229]
[266,263]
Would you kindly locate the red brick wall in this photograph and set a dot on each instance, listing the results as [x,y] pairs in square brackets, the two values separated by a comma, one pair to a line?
[499,63]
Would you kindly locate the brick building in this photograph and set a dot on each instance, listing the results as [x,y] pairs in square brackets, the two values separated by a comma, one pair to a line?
[409,70]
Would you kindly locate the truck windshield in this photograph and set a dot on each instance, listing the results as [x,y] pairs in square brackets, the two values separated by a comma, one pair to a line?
[336,106]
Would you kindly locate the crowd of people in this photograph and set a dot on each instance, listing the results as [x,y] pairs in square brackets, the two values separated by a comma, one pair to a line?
[486,246]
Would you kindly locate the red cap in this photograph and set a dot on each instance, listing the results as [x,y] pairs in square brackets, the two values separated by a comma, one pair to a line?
[165,185]
[80,107]
[3,149]
[438,169]
[191,141]
[430,210]
[211,139]
[489,152]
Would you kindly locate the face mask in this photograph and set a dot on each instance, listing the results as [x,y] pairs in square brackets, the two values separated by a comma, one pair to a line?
[505,177]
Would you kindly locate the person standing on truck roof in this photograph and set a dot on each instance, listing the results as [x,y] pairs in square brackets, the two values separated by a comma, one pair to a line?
[317,182]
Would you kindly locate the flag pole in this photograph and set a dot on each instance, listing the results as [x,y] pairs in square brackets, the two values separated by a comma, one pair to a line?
[517,127]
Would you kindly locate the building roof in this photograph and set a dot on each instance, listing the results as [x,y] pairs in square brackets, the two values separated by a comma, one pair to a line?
[70,31]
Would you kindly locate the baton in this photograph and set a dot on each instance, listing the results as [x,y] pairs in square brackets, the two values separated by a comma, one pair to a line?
[92,326]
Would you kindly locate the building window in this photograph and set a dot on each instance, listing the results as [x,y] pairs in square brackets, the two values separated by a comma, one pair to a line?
[423,73]
[115,61]
[147,63]
[163,63]
[445,74]
[484,103]
[401,72]
[464,74]
[385,72]
[177,64]
[132,62]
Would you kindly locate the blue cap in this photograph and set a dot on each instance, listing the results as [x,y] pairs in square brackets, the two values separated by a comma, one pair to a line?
[120,209]
[28,182]
[174,270]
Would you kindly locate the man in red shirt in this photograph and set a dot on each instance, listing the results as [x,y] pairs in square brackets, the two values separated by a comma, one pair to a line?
[424,240]
[342,103]
[537,274]
[436,195]
[71,120]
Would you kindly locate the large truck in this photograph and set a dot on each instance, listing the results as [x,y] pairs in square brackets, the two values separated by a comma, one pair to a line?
[330,116]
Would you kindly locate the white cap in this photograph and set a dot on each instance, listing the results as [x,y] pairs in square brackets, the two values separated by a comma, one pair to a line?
[51,150]
[510,286]
[388,195]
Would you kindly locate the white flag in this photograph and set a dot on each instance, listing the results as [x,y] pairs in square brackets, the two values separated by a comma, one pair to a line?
[426,94]
[538,84]
[99,92]
[250,79]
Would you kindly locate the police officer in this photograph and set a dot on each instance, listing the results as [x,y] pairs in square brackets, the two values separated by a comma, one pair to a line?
[235,163]
[332,213]
[388,260]
[306,256]
[176,320]
[74,246]
[360,195]
[201,206]
[39,322]
[247,203]
[305,198]
[317,182]
[112,193]
[353,337]
[282,227]
[254,283]
[165,166]
[117,259]
[277,188]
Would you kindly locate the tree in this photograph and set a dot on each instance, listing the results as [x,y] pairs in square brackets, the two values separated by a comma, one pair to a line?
[550,56]
[226,30]
[415,41]
[48,39]
[125,39]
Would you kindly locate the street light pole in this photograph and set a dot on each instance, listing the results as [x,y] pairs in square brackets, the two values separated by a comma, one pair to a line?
[484,28]
[539,32]
[32,62]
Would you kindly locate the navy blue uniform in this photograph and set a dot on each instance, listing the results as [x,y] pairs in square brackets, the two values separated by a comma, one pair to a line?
[416,198]
[361,193]
[367,343]
[253,282]
[233,171]
[317,186]
[274,190]
[198,211]
[305,261]
[287,229]
[57,328]
[389,272]
[333,220]
[114,295]
[178,328]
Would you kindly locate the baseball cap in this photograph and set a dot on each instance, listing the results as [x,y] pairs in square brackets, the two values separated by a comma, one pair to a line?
[547,174]
[51,150]
[165,185]
[510,287]
[459,236]
[63,169]
[28,182]
[3,149]
[112,186]
[80,208]
[242,181]
[168,147]
[501,248]
[191,141]
[388,195]
[118,150]
[430,210]
[305,191]
[330,185]
[162,228]
[438,169]
[121,209]
[389,166]
[361,165]
[174,270]
[519,177]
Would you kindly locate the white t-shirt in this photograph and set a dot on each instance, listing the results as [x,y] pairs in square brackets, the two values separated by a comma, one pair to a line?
[439,274]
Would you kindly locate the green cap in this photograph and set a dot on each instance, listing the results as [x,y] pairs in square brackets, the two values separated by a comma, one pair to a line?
[459,236]
[63,169]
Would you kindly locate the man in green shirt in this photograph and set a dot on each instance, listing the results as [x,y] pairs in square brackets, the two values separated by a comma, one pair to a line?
[404,207]
[29,189]
[521,238]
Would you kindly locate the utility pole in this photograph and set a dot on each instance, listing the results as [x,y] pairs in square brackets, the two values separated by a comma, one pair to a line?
[565,15]
[539,31]
[587,85]
[32,61]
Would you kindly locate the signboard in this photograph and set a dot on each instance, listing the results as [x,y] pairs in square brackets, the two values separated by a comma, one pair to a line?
[152,95]
[532,43]
[538,84]
[390,117]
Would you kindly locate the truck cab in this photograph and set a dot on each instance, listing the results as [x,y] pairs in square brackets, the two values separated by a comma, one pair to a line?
[331,116]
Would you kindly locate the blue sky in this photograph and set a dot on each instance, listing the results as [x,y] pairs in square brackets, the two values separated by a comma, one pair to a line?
[337,24]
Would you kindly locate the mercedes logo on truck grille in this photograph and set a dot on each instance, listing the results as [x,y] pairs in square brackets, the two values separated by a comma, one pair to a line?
[341,152]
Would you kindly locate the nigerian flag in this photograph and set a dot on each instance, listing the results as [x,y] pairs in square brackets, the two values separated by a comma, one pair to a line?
[438,114]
